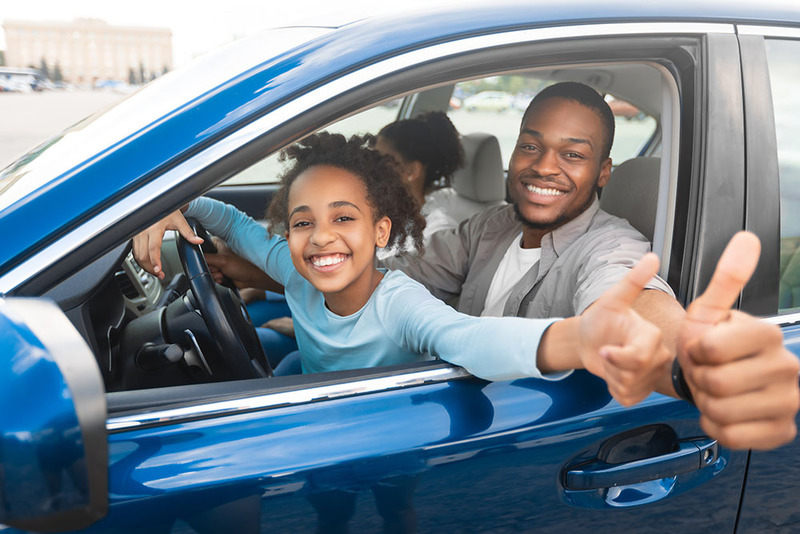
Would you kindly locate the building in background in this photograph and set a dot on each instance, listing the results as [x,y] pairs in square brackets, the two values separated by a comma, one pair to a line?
[89,51]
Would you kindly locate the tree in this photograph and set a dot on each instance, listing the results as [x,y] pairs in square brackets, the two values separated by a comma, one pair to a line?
[2,58]
[142,78]
[131,76]
[57,76]
[43,69]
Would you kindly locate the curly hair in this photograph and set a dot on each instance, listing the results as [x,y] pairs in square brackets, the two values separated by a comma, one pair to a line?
[386,194]
[431,139]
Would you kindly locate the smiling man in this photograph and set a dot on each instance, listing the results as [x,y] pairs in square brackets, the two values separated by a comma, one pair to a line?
[552,252]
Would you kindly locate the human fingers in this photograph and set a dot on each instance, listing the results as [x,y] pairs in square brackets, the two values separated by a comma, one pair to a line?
[625,292]
[139,247]
[761,435]
[642,347]
[743,376]
[214,263]
[147,250]
[632,378]
[734,268]
[777,401]
[182,226]
[741,337]
[627,387]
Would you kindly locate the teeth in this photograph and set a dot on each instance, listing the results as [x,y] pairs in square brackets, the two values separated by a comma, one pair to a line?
[549,192]
[324,261]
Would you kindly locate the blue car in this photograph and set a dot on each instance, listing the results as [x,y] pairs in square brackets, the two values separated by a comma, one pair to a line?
[132,405]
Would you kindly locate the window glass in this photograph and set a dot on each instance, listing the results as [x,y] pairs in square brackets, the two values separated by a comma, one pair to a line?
[370,121]
[784,69]
[496,104]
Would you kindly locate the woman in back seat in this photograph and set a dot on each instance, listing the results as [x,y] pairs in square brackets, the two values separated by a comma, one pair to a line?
[428,151]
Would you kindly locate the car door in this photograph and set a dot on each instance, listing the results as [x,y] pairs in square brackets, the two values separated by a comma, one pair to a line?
[429,448]
[770,59]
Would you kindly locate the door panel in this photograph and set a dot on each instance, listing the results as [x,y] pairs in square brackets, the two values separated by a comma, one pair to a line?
[464,455]
[770,501]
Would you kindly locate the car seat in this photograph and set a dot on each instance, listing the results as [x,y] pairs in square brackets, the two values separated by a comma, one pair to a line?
[632,193]
[480,183]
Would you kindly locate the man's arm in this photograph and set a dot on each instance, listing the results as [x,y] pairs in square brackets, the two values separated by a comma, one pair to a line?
[666,313]
[444,266]
[611,340]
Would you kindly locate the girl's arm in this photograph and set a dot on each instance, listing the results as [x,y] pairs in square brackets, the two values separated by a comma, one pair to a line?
[243,234]
[609,339]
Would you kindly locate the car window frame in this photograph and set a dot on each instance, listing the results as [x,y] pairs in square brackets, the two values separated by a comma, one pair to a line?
[320,107]
[760,296]
[406,376]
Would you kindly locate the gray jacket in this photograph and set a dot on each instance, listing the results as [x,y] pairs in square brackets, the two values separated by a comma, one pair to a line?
[580,260]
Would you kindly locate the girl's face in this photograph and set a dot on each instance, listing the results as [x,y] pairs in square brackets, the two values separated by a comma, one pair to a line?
[332,235]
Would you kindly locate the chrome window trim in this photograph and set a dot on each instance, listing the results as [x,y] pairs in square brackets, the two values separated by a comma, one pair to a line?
[783,320]
[155,189]
[768,31]
[282,399]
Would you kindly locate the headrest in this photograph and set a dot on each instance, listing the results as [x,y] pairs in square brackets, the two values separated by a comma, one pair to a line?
[632,193]
[482,178]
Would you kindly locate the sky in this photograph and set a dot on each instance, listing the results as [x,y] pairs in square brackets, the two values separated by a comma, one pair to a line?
[197,29]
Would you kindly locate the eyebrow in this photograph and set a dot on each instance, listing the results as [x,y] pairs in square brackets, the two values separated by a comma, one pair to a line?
[573,140]
[336,204]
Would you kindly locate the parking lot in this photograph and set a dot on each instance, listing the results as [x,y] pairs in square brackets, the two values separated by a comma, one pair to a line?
[28,119]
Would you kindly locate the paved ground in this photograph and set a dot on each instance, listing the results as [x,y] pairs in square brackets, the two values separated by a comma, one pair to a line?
[28,119]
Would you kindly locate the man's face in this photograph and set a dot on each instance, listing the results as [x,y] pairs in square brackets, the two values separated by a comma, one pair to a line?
[557,163]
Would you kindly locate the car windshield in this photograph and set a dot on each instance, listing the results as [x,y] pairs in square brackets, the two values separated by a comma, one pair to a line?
[157,99]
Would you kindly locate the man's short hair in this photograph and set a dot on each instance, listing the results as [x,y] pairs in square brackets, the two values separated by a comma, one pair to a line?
[586,96]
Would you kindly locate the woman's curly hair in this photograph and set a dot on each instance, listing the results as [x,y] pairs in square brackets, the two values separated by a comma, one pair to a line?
[386,193]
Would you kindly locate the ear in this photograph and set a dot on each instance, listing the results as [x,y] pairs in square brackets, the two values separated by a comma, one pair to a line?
[605,173]
[415,171]
[383,228]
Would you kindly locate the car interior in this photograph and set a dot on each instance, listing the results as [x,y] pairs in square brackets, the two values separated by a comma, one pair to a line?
[154,348]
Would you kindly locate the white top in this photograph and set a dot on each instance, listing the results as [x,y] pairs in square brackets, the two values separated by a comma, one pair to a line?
[515,263]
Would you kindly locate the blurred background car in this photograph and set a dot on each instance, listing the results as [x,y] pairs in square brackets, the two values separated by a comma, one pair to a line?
[496,101]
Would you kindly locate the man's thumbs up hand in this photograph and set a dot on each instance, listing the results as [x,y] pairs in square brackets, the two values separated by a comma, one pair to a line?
[620,346]
[743,380]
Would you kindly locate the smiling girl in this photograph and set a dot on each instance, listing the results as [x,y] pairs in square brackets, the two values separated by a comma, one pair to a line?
[339,202]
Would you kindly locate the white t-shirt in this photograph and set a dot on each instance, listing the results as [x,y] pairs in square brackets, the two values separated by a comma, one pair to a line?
[515,263]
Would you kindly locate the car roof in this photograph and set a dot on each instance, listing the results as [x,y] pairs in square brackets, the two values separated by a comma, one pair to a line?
[98,159]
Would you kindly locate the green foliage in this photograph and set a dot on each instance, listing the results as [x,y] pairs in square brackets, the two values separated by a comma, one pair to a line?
[44,69]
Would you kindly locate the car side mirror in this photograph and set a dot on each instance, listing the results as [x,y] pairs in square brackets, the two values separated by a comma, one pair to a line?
[53,443]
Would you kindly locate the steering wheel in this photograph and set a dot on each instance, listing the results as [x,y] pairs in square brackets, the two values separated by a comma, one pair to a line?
[240,354]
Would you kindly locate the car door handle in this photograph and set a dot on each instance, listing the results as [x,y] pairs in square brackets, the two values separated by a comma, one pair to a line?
[691,455]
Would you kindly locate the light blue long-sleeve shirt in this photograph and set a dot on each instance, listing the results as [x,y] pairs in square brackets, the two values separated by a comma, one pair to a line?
[400,323]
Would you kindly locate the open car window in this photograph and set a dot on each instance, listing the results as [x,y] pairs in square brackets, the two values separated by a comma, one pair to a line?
[496,105]
[634,134]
